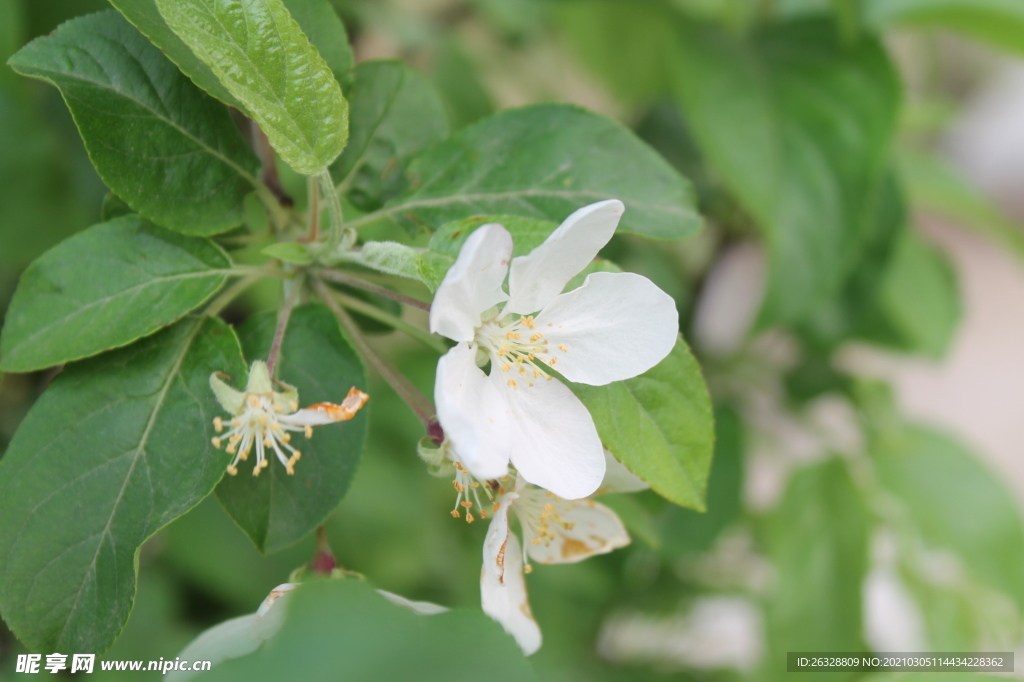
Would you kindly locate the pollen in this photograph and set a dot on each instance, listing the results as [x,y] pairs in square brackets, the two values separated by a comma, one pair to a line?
[562,348]
[512,384]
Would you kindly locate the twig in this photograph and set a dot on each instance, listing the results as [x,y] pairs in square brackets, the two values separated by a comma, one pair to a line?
[283,316]
[417,402]
[358,283]
[392,321]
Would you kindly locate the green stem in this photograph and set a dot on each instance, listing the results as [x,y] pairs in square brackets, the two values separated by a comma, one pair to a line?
[359,283]
[392,321]
[314,209]
[417,402]
[283,316]
[341,238]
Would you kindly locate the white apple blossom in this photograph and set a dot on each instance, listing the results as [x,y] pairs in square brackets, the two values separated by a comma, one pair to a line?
[613,327]
[263,418]
[555,531]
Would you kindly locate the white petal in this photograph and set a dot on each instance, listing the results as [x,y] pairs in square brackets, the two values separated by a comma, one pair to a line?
[590,529]
[473,284]
[496,541]
[505,600]
[616,326]
[554,443]
[223,642]
[423,608]
[619,479]
[472,413]
[535,279]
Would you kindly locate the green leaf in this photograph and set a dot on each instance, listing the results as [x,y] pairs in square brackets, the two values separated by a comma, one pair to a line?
[545,161]
[113,207]
[659,425]
[106,287]
[798,126]
[274,509]
[395,113]
[683,530]
[344,627]
[263,58]
[956,503]
[115,449]
[920,298]
[999,22]
[169,151]
[817,540]
[289,252]
[145,16]
[324,28]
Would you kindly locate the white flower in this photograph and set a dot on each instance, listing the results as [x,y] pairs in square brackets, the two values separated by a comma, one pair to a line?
[263,418]
[554,531]
[615,326]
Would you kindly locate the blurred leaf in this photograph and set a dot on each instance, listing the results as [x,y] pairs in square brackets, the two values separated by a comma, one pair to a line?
[262,57]
[36,167]
[817,540]
[104,288]
[660,425]
[635,516]
[798,126]
[856,310]
[629,45]
[458,81]
[935,185]
[395,113]
[999,22]
[956,503]
[153,137]
[920,297]
[130,453]
[684,530]
[343,627]
[12,34]
[276,510]
[145,16]
[545,161]
[393,258]
[323,27]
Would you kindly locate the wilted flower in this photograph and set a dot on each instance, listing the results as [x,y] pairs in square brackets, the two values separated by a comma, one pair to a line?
[264,419]
[613,327]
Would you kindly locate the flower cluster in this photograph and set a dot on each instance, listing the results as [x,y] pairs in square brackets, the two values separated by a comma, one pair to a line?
[500,402]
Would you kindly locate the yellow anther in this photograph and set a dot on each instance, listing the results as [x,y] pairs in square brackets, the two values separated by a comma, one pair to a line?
[483,514]
[512,384]
[262,419]
[552,361]
[474,484]
[467,505]
[275,426]
[528,568]
[536,374]
[290,468]
[286,438]
[231,449]
[268,442]
[456,514]
[254,401]
[218,425]
[296,456]
[232,470]
[236,421]
[562,348]
[308,431]
[531,357]
[216,442]
[528,321]
[469,518]
[536,337]
[505,367]
[535,541]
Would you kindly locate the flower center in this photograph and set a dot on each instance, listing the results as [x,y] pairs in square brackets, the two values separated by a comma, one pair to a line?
[516,347]
[261,425]
[540,515]
[468,492]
